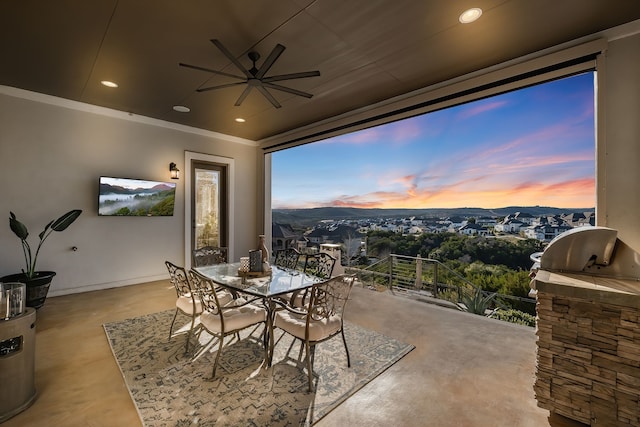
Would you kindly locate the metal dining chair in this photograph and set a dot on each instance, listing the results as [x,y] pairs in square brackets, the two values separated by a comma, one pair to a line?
[222,319]
[321,318]
[287,258]
[186,302]
[319,265]
[210,255]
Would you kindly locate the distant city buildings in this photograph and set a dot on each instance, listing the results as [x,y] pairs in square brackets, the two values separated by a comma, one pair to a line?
[351,234]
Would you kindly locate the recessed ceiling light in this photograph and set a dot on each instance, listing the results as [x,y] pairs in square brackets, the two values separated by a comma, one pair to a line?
[470,15]
[240,120]
[107,83]
[181,108]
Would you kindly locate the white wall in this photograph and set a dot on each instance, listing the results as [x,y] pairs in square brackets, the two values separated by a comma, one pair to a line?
[50,160]
[618,171]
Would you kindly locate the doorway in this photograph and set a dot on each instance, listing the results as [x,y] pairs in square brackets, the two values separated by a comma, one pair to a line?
[208,203]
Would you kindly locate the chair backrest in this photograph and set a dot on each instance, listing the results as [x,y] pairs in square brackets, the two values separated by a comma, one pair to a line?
[179,279]
[287,258]
[209,255]
[329,298]
[206,290]
[320,265]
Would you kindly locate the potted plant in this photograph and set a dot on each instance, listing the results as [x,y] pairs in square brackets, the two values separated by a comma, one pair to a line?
[37,282]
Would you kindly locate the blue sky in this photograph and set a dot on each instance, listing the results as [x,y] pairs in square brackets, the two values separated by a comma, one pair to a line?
[534,146]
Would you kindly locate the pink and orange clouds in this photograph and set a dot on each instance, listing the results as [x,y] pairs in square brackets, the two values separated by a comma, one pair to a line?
[535,146]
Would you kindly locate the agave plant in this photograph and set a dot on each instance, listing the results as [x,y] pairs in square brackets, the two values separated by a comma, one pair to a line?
[20,230]
[478,303]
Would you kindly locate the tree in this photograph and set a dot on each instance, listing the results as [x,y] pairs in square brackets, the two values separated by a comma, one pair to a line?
[494,265]
[351,247]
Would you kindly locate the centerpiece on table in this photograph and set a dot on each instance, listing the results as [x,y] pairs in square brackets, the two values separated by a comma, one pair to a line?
[257,263]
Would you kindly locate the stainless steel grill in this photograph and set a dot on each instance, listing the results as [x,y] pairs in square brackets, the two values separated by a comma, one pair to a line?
[590,250]
[587,284]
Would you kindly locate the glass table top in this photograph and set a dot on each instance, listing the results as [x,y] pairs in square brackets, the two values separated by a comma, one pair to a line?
[279,281]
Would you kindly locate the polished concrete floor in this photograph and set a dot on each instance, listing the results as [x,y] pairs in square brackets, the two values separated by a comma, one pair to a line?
[465,370]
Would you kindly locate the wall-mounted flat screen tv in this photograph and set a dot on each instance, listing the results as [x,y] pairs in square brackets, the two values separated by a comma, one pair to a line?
[135,197]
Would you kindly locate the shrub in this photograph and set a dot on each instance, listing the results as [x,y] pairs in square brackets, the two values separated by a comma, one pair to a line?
[514,316]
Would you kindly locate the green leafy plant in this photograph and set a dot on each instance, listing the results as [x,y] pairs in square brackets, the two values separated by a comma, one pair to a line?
[515,316]
[20,230]
[477,302]
[450,295]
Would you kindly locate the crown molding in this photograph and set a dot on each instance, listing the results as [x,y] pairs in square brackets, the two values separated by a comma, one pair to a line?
[122,115]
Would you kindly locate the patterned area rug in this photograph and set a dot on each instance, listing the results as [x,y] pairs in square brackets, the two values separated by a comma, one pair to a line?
[170,388]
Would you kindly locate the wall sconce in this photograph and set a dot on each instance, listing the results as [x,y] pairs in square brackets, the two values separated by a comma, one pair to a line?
[175,172]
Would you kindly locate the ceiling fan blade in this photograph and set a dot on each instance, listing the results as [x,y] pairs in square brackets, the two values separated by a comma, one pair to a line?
[232,58]
[292,76]
[270,97]
[243,95]
[273,56]
[204,89]
[195,67]
[288,90]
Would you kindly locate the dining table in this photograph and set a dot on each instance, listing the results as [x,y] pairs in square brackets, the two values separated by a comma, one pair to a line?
[268,286]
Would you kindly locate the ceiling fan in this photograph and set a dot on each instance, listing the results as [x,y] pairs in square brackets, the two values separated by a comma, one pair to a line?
[255,77]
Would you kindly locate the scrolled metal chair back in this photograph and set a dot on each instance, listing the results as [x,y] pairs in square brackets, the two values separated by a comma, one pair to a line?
[206,290]
[329,298]
[320,265]
[179,279]
[209,255]
[287,258]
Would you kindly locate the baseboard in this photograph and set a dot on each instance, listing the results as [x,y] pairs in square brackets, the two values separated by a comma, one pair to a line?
[107,285]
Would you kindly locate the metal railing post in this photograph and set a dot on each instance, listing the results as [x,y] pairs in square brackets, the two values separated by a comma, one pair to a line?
[418,282]
[435,280]
[391,261]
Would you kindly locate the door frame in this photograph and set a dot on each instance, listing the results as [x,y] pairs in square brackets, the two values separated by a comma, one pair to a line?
[228,162]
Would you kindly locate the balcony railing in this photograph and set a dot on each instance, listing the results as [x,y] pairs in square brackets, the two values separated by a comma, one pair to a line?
[426,279]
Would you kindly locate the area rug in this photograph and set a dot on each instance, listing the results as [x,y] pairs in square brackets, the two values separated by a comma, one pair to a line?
[170,388]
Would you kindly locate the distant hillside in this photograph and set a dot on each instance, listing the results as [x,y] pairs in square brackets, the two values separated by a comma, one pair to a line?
[311,216]
[118,189]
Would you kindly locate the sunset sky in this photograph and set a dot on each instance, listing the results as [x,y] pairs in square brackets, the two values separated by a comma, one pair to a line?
[535,146]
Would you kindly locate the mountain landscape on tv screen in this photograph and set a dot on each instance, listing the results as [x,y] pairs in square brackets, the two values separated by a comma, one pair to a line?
[130,198]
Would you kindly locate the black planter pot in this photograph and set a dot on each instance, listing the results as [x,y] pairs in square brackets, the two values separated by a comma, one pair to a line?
[37,287]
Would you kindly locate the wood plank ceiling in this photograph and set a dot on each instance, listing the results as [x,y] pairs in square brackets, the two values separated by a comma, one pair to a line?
[365,50]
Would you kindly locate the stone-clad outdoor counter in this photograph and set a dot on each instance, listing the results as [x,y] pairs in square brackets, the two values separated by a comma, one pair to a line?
[588,361]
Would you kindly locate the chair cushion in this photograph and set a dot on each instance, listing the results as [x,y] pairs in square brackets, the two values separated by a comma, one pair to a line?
[185,304]
[298,301]
[295,324]
[234,319]
[224,297]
